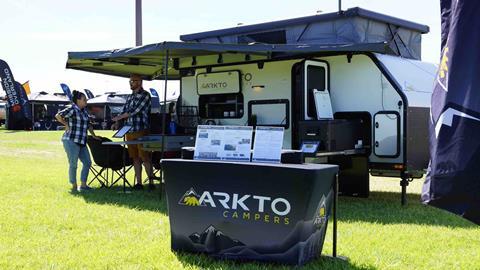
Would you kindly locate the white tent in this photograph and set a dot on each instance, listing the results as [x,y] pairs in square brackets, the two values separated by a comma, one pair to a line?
[48,103]
[46,98]
[109,102]
[106,100]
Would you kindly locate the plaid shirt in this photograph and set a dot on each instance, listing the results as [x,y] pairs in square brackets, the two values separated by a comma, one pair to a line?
[138,107]
[78,121]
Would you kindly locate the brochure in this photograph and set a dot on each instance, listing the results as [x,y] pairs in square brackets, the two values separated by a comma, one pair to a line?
[223,143]
[268,144]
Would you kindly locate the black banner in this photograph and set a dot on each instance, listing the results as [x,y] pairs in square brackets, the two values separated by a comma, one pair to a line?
[66,90]
[89,93]
[250,211]
[26,109]
[452,182]
[13,90]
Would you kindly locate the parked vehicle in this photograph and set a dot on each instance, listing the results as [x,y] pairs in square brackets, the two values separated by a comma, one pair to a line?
[3,113]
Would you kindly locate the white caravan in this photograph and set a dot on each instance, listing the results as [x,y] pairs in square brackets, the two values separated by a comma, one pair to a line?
[355,73]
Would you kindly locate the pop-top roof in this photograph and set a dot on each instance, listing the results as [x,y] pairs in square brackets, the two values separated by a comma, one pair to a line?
[354,25]
[352,31]
[352,12]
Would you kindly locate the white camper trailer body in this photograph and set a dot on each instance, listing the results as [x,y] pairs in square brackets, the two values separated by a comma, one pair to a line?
[356,66]
[357,83]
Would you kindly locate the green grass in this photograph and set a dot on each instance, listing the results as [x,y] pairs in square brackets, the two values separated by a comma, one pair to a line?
[43,226]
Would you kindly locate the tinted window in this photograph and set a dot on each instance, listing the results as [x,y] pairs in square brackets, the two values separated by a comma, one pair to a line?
[269,113]
[315,80]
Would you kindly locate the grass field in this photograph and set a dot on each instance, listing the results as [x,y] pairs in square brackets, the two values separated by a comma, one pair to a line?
[43,226]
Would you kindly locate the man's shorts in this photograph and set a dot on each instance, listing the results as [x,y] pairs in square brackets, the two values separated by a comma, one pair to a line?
[136,150]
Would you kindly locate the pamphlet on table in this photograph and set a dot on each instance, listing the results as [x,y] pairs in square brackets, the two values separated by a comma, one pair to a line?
[231,143]
[268,144]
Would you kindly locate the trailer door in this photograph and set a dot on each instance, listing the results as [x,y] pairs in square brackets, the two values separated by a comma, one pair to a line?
[316,77]
[387,134]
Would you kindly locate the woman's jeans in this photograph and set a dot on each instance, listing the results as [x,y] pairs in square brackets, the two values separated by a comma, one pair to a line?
[75,152]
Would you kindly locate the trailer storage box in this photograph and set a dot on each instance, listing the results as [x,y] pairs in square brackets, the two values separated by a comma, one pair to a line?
[332,135]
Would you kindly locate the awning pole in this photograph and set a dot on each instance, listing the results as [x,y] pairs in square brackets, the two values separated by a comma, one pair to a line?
[138,22]
[104,115]
[164,118]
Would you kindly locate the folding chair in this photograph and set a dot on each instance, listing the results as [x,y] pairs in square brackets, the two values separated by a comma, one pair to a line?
[108,158]
[156,163]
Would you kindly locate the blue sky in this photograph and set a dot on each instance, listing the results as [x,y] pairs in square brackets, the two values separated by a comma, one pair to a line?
[36,35]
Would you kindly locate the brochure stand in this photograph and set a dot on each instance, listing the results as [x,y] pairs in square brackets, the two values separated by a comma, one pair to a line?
[323,104]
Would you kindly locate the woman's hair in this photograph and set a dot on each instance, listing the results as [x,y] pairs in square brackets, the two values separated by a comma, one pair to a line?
[76,95]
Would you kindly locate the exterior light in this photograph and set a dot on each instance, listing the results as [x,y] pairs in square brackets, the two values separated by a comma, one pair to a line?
[258,88]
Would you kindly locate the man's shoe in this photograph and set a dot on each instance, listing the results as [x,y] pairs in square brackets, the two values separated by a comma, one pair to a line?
[151,187]
[85,188]
[138,187]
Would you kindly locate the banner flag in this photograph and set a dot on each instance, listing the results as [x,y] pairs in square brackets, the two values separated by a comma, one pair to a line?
[26,86]
[155,99]
[66,90]
[27,111]
[452,182]
[15,119]
[89,93]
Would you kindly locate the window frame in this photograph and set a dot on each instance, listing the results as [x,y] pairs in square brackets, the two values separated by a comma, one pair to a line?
[237,114]
[270,101]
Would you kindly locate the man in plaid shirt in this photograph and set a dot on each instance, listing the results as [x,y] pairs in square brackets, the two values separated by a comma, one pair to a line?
[137,114]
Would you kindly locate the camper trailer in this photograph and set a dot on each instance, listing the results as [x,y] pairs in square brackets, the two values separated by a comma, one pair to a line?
[349,85]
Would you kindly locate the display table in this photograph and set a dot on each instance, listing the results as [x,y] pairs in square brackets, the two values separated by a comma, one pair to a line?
[250,211]
[154,142]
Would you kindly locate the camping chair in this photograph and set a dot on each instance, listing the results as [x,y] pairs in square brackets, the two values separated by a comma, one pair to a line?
[157,166]
[157,174]
[108,157]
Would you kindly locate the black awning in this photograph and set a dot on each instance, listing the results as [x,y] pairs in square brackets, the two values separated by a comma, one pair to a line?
[149,60]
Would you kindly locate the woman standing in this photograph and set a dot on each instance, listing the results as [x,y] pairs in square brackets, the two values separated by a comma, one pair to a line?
[76,122]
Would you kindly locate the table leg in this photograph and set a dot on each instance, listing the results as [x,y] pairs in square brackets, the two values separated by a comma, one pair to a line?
[335,198]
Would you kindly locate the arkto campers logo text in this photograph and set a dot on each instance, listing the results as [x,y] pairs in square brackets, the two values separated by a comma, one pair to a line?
[247,207]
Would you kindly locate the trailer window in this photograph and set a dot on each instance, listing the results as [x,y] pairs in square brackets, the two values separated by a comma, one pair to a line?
[221,106]
[272,37]
[275,112]
[315,80]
